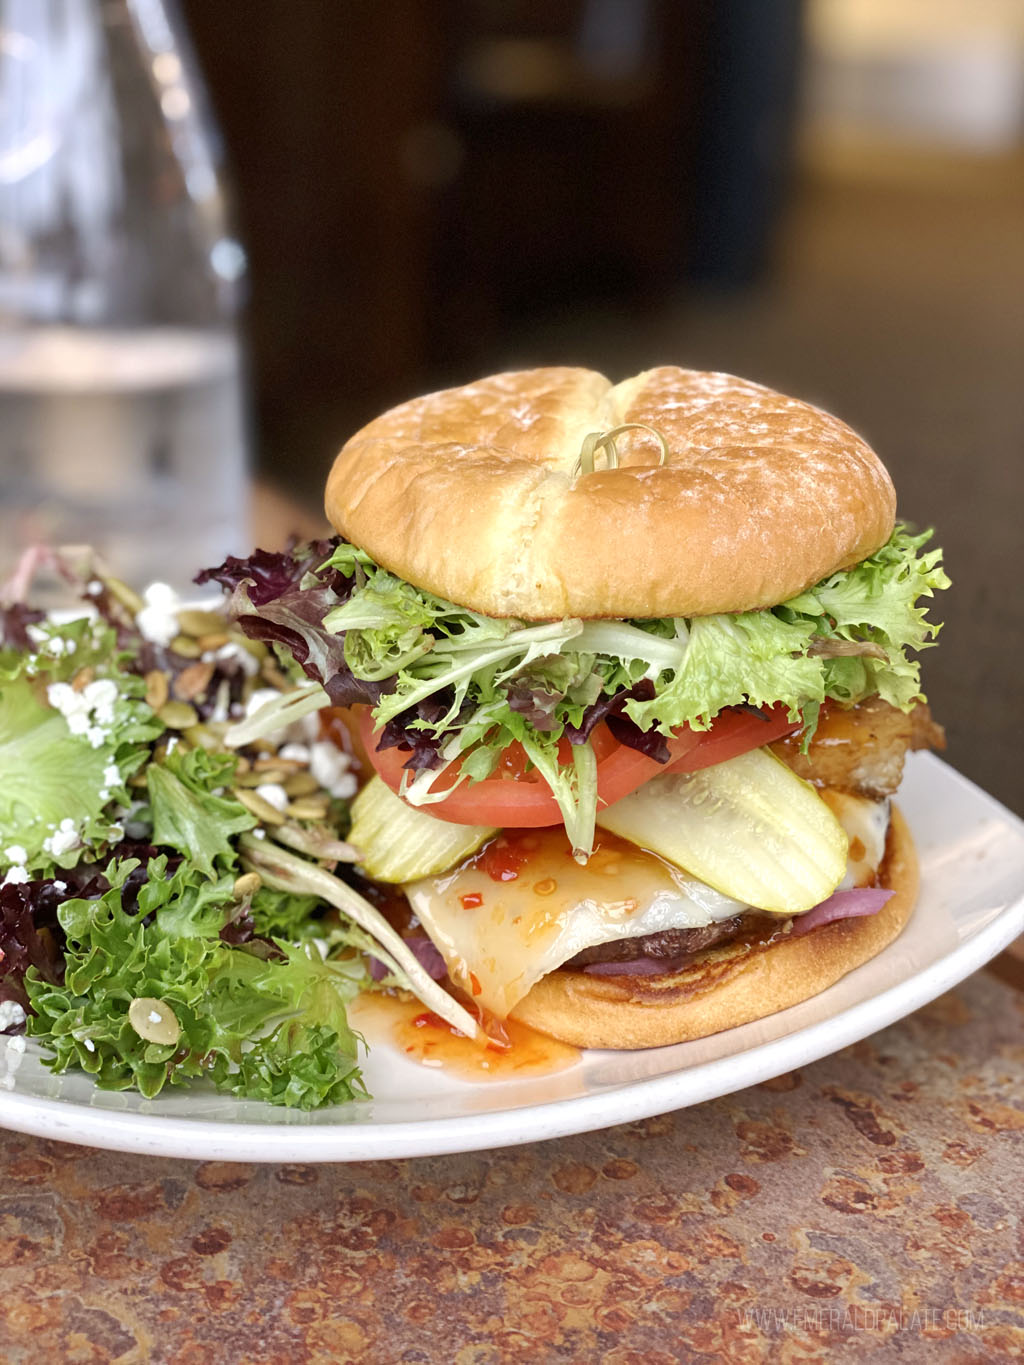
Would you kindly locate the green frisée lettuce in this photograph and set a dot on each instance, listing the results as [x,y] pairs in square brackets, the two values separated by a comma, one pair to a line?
[460,686]
[877,601]
[190,811]
[271,1028]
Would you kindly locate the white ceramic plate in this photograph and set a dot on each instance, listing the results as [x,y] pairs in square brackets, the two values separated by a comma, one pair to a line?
[971,906]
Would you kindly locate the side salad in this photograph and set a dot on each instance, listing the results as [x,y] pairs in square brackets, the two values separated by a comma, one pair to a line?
[170,900]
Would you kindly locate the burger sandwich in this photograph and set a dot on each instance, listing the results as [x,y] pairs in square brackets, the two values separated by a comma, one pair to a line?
[633,667]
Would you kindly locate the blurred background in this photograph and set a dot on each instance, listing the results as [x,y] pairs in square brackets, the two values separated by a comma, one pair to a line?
[826,196]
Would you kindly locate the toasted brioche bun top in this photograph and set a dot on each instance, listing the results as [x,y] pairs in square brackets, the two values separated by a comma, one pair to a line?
[470,493]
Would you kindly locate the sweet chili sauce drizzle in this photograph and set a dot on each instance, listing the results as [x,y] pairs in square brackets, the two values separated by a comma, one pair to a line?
[505,856]
[511,1051]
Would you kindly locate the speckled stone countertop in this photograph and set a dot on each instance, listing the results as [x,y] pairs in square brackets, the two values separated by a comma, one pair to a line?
[865,1207]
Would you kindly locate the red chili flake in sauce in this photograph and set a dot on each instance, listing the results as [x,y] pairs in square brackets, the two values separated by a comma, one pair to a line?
[475,983]
[471,900]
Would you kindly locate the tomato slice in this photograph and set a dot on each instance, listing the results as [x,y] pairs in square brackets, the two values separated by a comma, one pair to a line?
[516,798]
[735,732]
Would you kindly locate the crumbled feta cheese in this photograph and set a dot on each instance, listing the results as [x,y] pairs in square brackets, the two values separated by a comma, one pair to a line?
[111,776]
[274,795]
[87,712]
[158,619]
[259,833]
[63,698]
[100,697]
[305,730]
[298,753]
[330,766]
[89,1045]
[13,1056]
[259,699]
[11,1014]
[63,839]
[15,854]
[15,876]
[94,587]
[60,886]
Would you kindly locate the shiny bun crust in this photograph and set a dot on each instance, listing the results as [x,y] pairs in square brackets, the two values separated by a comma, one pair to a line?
[728,985]
[470,494]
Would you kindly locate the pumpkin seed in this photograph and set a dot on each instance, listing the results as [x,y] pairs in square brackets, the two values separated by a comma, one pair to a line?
[202,737]
[157,688]
[154,1020]
[255,777]
[196,622]
[178,715]
[302,784]
[263,810]
[186,647]
[246,886]
[277,764]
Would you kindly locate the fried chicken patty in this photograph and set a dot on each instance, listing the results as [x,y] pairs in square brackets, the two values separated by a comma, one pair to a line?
[861,749]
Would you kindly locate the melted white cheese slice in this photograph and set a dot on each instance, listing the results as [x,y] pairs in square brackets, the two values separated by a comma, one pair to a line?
[499,937]
[867,825]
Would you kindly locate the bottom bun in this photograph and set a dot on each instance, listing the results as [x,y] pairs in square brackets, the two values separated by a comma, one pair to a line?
[732,984]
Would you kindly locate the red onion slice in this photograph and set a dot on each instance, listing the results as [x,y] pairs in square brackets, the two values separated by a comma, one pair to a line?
[426,955]
[861,900]
[637,966]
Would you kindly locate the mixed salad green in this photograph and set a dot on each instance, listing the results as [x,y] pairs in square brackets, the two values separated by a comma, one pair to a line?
[169,904]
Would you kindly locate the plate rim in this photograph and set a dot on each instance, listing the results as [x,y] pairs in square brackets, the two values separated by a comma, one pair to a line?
[150,1134]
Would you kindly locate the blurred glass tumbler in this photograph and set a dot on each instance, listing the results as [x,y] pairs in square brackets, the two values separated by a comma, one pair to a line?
[121,414]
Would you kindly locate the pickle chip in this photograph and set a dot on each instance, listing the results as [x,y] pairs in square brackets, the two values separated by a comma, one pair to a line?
[749,827]
[398,843]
